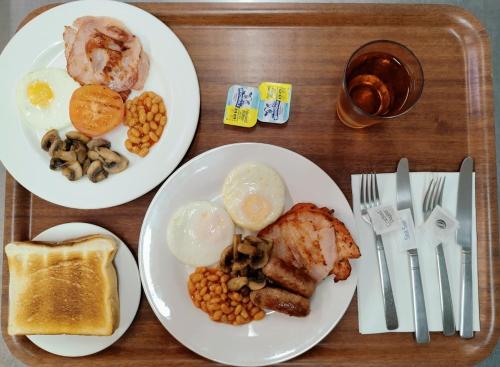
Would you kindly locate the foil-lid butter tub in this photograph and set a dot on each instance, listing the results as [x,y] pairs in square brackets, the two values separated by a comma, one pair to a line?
[274,104]
[241,106]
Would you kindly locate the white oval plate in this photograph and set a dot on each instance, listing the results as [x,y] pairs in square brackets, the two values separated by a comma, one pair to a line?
[129,291]
[278,337]
[172,75]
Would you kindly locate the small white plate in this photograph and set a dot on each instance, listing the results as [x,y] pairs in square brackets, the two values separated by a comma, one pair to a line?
[129,291]
[276,338]
[39,44]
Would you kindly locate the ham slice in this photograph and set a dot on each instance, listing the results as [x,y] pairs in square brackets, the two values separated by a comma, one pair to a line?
[101,50]
[312,239]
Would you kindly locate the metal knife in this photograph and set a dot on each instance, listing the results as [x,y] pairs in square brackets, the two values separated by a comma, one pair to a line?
[464,239]
[404,201]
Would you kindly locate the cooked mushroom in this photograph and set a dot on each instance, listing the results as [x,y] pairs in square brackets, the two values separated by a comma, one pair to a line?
[256,284]
[262,257]
[56,145]
[49,138]
[240,263]
[93,155]
[73,171]
[67,144]
[108,155]
[76,135]
[96,172]
[56,163]
[226,259]
[80,149]
[86,165]
[236,242]
[98,143]
[237,283]
[116,167]
[246,248]
[69,157]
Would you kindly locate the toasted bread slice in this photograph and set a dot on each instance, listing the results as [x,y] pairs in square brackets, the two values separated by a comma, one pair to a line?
[68,287]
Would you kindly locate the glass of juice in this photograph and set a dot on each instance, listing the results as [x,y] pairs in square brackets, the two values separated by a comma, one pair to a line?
[382,80]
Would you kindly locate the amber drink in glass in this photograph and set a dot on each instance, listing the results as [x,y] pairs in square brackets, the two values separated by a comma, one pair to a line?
[382,80]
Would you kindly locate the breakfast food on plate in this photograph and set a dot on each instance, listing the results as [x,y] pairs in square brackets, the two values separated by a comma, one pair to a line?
[67,287]
[254,195]
[277,269]
[289,277]
[101,50]
[146,118]
[282,301]
[198,232]
[244,259]
[79,155]
[95,109]
[309,243]
[312,239]
[43,97]
[210,292]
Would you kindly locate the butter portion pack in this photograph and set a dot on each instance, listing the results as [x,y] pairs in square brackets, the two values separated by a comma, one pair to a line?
[269,103]
[274,104]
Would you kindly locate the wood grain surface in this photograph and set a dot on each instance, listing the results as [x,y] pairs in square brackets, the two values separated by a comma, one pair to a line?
[308,45]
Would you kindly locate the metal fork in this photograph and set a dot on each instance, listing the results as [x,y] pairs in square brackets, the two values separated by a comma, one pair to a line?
[369,197]
[433,197]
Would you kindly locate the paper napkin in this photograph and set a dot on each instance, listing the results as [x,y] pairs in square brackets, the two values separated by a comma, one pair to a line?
[370,302]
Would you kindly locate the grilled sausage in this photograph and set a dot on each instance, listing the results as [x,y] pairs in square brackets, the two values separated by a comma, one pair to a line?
[289,277]
[281,300]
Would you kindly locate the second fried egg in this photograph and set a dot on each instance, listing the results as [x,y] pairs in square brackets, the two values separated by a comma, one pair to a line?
[254,195]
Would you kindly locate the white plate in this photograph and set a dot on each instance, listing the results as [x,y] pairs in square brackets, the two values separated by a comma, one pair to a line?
[40,44]
[278,337]
[129,291]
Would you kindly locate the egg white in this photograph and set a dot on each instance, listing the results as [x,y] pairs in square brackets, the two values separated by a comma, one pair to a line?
[56,114]
[198,232]
[254,195]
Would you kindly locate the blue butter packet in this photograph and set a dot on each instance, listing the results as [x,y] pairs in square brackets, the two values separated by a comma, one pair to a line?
[274,104]
[241,106]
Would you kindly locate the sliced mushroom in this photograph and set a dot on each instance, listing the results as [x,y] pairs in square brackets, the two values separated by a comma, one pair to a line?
[262,257]
[80,149]
[246,248]
[49,138]
[236,242]
[108,155]
[240,263]
[245,292]
[86,165]
[69,157]
[256,284]
[226,259]
[73,171]
[76,135]
[253,239]
[67,144]
[116,167]
[93,155]
[235,284]
[56,163]
[56,145]
[96,172]
[98,143]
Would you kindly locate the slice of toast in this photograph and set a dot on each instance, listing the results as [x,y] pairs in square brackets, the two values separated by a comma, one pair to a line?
[67,287]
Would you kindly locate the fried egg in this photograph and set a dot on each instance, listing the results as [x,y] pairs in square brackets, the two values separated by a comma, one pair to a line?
[43,98]
[198,232]
[254,195]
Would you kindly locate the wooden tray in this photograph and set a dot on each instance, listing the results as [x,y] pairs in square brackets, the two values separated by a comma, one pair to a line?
[308,45]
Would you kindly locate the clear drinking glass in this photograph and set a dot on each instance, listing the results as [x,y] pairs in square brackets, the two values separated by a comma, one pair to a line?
[382,80]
